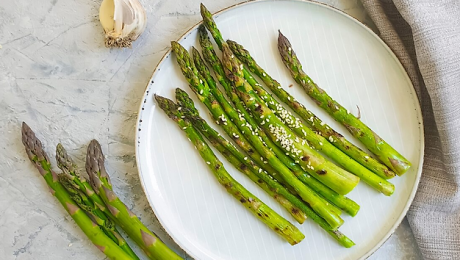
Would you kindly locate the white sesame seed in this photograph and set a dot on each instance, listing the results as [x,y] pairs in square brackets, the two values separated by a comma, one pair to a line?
[208,162]
[201,92]
[179,108]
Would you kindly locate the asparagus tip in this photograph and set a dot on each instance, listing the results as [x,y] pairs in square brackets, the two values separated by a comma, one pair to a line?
[166,105]
[204,11]
[196,55]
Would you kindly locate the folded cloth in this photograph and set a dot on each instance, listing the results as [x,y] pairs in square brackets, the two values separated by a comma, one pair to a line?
[425,35]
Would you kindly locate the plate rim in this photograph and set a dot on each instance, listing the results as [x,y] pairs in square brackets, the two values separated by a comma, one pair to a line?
[398,221]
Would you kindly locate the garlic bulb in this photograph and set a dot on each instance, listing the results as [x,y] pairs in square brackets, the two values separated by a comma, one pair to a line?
[123,21]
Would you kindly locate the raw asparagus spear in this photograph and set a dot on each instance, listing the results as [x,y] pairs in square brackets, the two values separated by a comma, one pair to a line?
[328,146]
[387,154]
[226,147]
[334,177]
[235,116]
[122,216]
[200,87]
[210,56]
[239,160]
[40,159]
[82,191]
[274,221]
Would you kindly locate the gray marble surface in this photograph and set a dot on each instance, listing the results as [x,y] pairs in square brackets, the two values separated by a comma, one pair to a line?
[56,75]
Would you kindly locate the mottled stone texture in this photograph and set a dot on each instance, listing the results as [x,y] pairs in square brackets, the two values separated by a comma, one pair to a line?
[56,75]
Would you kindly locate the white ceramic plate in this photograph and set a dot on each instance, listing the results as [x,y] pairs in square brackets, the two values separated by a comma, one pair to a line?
[346,59]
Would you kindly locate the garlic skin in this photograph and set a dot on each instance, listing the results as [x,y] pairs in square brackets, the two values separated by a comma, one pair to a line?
[123,21]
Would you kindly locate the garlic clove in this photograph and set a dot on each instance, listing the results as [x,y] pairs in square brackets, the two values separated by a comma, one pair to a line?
[123,21]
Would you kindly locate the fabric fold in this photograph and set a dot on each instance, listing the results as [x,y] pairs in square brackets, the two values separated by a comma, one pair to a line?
[425,36]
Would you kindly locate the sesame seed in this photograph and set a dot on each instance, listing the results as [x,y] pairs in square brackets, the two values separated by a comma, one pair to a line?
[208,162]
[179,108]
[184,127]
[260,170]
[201,92]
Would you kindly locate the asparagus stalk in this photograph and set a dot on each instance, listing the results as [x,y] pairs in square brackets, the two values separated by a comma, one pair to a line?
[82,192]
[122,216]
[274,221]
[235,116]
[229,151]
[329,146]
[210,56]
[239,160]
[227,147]
[310,118]
[200,87]
[197,83]
[249,168]
[387,154]
[40,159]
[347,183]
[336,178]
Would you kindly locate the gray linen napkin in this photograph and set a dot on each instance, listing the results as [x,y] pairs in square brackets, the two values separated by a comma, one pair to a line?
[425,35]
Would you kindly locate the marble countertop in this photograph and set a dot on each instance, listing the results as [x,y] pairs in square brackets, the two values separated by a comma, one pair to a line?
[56,75]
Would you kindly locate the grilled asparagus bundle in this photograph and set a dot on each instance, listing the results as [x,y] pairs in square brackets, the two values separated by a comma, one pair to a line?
[274,221]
